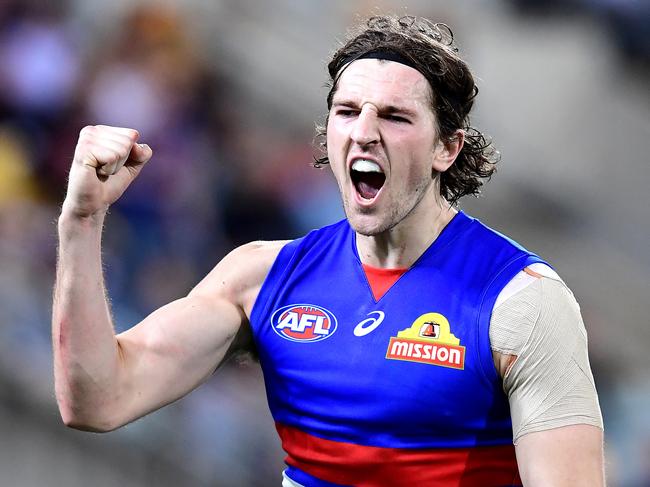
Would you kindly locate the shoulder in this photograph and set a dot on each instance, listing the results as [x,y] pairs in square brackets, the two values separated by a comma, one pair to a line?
[485,235]
[255,254]
[530,275]
[535,295]
[523,309]
[238,277]
[491,258]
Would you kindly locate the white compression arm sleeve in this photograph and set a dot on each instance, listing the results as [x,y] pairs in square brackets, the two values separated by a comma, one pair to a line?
[550,383]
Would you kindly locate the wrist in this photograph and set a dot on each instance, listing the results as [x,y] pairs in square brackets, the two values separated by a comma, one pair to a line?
[70,217]
[81,211]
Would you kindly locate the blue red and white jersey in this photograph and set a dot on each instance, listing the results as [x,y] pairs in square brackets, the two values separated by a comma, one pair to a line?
[396,391]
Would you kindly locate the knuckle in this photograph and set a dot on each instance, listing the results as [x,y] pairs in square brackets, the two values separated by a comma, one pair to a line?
[86,131]
[113,158]
[123,152]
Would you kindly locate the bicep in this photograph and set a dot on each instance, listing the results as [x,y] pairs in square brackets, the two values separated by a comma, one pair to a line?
[174,349]
[570,456]
[178,346]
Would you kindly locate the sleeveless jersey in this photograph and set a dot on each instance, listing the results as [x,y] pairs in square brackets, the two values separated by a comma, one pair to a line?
[395,392]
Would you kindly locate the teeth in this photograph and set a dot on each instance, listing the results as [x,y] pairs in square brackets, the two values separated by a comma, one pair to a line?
[364,165]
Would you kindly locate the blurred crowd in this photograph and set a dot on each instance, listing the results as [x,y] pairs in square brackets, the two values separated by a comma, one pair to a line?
[211,185]
[625,20]
[215,181]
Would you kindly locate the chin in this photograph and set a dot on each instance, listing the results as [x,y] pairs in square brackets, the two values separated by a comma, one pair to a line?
[367,225]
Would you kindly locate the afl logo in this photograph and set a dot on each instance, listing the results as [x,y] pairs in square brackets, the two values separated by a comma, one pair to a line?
[303,323]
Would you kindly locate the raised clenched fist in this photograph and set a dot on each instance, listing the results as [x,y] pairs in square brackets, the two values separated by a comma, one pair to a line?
[106,161]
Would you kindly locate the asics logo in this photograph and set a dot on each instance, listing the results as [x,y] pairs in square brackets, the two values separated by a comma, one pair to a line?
[370,324]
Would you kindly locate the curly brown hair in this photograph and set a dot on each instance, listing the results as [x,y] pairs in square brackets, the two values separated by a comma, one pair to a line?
[429,48]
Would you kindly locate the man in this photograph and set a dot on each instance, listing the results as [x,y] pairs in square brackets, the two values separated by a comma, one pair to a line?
[406,345]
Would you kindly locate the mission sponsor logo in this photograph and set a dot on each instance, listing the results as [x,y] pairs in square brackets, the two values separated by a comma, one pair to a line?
[428,341]
[303,323]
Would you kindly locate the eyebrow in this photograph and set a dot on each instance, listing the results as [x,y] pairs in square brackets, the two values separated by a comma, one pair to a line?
[384,109]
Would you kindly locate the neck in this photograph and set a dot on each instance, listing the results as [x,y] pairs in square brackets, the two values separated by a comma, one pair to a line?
[403,244]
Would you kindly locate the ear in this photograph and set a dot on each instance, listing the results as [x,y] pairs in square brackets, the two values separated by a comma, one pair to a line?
[446,151]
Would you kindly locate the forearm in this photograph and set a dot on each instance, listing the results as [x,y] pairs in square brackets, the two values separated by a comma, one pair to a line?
[86,354]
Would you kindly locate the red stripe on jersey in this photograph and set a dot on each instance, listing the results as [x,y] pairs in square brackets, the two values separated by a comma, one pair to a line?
[370,466]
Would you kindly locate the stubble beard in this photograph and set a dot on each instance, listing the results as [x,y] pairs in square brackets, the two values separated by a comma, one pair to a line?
[396,214]
[381,226]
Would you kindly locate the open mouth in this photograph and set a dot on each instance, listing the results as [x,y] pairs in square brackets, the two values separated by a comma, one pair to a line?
[367,177]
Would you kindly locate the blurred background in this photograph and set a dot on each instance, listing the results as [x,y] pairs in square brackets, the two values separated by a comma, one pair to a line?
[227,93]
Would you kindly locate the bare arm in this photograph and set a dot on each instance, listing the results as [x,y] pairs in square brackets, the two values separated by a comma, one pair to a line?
[540,347]
[570,456]
[102,380]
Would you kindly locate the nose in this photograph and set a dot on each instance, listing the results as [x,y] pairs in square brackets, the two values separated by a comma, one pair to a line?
[366,129]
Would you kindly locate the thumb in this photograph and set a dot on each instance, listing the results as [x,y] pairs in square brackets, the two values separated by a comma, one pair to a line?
[140,153]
